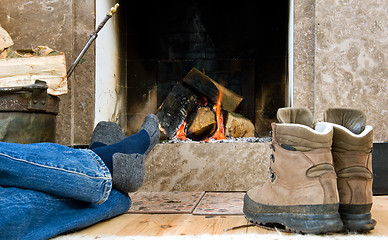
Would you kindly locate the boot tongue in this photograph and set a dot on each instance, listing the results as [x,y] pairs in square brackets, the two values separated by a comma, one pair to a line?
[296,115]
[352,119]
[299,134]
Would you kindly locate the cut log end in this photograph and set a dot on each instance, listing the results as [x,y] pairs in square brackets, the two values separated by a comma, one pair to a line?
[238,126]
[5,39]
[202,124]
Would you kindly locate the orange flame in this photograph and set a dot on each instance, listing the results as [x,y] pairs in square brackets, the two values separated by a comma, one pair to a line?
[180,134]
[219,134]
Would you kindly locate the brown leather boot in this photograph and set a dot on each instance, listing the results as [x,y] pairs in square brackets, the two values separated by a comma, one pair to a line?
[301,193]
[352,155]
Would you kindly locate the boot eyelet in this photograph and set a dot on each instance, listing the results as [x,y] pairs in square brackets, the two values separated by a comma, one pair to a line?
[272,147]
[273,177]
[272,157]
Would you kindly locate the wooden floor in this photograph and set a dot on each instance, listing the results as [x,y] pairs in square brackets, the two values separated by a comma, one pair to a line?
[188,224]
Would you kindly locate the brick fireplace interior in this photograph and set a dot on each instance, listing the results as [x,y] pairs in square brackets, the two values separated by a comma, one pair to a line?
[242,45]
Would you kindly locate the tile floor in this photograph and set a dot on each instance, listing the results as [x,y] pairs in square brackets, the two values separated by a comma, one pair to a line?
[196,203]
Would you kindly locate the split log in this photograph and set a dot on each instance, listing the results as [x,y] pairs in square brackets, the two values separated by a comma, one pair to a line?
[5,39]
[22,71]
[175,109]
[201,124]
[238,126]
[210,89]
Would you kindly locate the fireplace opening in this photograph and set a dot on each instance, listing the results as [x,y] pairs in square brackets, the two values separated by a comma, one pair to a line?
[242,46]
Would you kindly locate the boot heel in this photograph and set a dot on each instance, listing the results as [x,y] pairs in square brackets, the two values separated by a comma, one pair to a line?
[357,222]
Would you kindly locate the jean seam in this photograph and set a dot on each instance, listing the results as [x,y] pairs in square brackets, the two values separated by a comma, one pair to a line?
[52,167]
[106,172]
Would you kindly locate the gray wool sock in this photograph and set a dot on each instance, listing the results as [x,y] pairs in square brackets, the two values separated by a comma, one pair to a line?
[107,133]
[128,171]
[151,126]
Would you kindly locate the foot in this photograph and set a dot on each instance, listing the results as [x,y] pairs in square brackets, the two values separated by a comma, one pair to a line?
[129,171]
[151,126]
[106,133]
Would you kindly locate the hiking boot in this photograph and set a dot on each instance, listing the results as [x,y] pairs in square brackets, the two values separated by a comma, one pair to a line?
[352,155]
[301,193]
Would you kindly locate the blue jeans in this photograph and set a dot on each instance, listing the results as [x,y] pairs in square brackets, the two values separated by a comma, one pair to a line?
[47,189]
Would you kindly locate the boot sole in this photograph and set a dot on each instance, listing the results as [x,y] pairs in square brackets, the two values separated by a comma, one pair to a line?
[307,219]
[299,223]
[357,217]
[357,222]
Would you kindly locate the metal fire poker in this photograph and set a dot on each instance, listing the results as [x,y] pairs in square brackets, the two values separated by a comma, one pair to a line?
[93,36]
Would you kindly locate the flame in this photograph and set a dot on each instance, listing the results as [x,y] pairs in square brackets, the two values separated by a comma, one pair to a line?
[180,134]
[219,134]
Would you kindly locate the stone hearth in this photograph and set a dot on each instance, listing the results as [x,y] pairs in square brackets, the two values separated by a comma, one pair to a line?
[213,166]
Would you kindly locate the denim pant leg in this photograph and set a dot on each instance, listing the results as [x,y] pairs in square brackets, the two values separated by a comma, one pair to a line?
[28,214]
[55,169]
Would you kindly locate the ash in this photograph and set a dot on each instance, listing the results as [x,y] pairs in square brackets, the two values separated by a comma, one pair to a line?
[228,140]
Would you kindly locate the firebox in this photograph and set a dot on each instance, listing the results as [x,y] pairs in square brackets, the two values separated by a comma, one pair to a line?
[241,45]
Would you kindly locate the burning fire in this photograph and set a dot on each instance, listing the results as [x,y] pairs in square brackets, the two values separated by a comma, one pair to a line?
[181,134]
[219,134]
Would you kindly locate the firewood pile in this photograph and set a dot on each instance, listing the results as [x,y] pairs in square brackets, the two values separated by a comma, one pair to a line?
[23,67]
[190,111]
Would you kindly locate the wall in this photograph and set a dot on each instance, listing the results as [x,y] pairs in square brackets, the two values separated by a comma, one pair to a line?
[64,25]
[341,58]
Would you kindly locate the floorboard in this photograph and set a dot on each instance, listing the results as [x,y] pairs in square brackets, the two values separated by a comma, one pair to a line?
[189,224]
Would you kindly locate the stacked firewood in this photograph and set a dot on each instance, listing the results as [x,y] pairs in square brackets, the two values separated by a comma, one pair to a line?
[24,67]
[184,105]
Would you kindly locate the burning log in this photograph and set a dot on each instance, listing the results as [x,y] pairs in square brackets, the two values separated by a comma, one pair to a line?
[175,108]
[202,124]
[182,115]
[238,126]
[211,89]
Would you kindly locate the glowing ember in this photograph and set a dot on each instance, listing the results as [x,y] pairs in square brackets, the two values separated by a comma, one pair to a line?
[203,101]
[181,134]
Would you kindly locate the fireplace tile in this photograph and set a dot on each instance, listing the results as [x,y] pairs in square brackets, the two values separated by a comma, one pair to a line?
[164,202]
[221,203]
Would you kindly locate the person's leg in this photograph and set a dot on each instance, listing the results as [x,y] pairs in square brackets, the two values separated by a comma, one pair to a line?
[27,214]
[78,173]
[140,143]
[55,169]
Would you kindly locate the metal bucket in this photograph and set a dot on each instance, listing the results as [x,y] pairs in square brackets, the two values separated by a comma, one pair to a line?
[28,114]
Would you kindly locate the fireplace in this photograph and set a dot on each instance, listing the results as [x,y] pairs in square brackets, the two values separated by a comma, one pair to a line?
[243,46]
